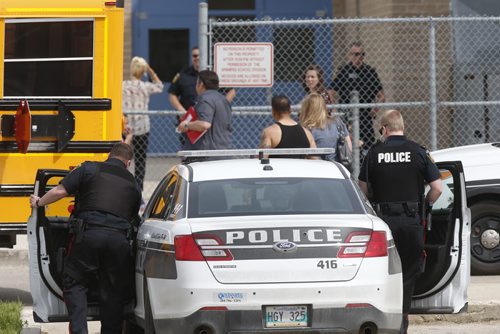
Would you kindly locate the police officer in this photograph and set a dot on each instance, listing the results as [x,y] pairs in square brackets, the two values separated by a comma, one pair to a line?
[397,169]
[182,92]
[107,198]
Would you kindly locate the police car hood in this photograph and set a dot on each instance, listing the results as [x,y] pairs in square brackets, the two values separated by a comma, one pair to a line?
[281,249]
[480,161]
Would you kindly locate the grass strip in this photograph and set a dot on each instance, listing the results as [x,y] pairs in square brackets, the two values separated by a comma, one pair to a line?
[10,317]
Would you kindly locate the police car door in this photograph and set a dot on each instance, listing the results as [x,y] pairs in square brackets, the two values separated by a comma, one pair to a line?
[47,242]
[442,288]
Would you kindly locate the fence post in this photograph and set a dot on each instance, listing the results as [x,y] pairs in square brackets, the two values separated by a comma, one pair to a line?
[354,98]
[202,34]
[432,83]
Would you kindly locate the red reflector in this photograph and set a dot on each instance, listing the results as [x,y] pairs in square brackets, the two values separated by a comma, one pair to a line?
[110,3]
[71,207]
[358,305]
[22,126]
[214,308]
[186,249]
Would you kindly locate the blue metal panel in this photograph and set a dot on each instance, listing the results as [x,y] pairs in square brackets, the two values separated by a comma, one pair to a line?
[293,8]
[170,14]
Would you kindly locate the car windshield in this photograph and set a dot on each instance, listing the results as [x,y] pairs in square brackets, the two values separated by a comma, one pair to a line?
[273,196]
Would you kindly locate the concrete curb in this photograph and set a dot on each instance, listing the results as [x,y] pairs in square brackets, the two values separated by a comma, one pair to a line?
[476,313]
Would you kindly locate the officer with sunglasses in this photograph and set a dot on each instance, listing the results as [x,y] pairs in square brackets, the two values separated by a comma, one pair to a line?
[396,169]
[359,76]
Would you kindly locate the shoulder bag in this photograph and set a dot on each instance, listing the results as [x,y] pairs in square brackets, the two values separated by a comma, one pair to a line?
[343,153]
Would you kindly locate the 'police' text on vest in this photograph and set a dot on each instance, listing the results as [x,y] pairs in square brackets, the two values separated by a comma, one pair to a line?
[394,157]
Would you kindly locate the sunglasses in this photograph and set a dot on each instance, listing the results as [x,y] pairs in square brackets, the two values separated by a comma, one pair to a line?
[357,54]
[195,56]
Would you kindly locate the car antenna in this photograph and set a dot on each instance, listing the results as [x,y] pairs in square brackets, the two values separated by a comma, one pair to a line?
[263,161]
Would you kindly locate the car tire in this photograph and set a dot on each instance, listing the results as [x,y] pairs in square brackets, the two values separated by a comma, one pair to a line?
[149,326]
[485,231]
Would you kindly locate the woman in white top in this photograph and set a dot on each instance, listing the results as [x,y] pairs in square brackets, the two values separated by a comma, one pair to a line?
[136,94]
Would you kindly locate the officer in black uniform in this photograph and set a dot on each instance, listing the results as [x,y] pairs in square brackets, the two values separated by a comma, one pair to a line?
[107,198]
[182,91]
[397,169]
[359,76]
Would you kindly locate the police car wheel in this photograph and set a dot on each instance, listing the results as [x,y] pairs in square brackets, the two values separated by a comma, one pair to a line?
[149,327]
[485,238]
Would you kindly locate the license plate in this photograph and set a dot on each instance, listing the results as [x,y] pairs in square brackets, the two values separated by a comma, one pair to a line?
[286,316]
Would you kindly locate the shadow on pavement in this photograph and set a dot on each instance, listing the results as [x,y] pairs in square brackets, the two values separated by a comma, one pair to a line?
[8,294]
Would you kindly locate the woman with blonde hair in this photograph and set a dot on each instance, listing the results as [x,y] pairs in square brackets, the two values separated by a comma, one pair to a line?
[326,130]
[136,94]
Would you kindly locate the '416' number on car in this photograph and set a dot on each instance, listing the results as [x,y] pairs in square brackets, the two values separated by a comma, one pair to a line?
[327,264]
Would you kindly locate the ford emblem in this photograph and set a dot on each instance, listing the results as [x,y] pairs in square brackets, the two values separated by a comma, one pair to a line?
[285,247]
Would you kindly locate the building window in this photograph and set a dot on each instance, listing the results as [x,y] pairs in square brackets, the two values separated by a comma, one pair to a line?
[231,5]
[48,58]
[168,51]
[293,52]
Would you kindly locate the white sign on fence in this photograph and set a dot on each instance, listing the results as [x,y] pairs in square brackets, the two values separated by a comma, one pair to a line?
[244,64]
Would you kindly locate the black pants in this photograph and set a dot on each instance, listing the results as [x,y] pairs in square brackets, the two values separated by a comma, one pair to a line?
[102,257]
[408,236]
[140,144]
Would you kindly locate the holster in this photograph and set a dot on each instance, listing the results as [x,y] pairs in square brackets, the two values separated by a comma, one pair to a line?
[76,227]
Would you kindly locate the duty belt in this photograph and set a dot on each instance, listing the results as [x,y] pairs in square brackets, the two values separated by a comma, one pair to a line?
[410,209]
[105,228]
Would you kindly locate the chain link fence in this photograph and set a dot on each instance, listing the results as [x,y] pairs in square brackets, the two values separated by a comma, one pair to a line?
[441,73]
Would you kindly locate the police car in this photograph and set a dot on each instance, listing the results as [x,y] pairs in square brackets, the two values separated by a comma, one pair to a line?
[266,245]
[481,165]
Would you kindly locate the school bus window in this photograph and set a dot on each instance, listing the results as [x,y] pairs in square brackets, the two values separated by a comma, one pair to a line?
[48,57]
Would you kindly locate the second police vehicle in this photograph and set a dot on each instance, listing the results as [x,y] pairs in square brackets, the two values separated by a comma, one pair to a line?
[481,163]
[255,245]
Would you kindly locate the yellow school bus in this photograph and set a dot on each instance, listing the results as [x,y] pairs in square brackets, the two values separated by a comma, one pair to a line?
[60,93]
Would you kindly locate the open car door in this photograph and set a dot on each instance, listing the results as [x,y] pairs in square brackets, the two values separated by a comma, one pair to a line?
[442,288]
[48,236]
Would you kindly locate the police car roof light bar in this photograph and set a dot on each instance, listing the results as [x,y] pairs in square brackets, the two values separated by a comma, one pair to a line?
[259,152]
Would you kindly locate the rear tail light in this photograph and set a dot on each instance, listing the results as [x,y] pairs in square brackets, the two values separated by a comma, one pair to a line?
[200,247]
[365,244]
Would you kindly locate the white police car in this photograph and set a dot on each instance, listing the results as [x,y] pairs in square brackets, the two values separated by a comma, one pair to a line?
[481,165]
[272,245]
